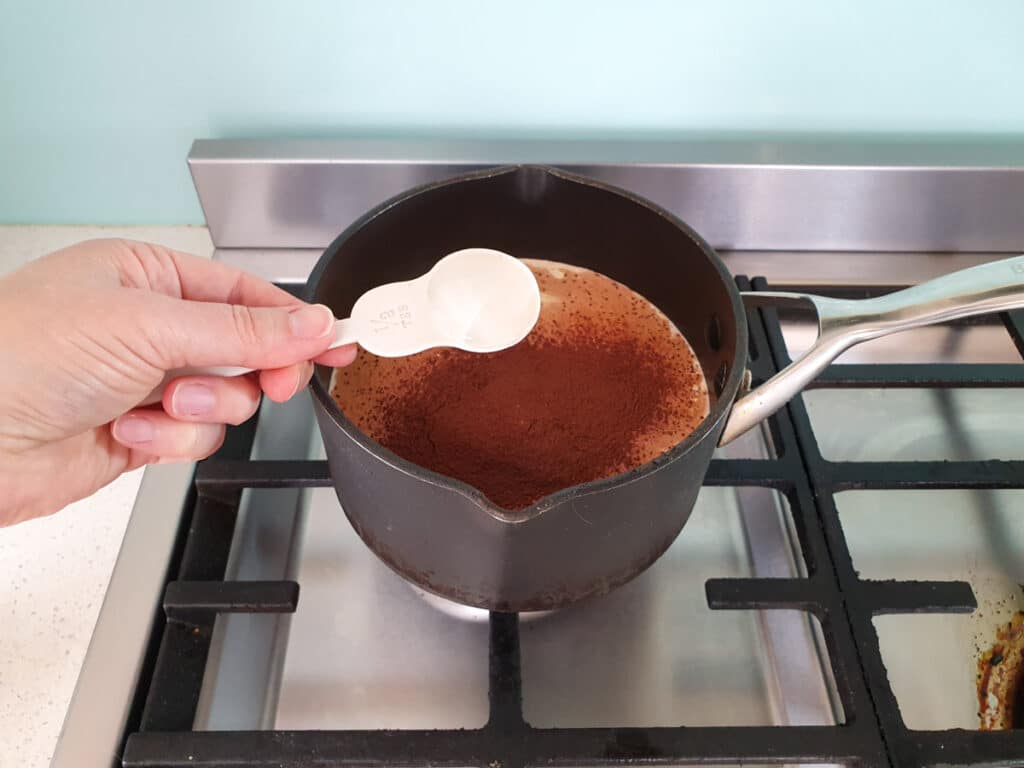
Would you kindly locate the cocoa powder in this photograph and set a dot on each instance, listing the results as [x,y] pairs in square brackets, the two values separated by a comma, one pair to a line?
[602,385]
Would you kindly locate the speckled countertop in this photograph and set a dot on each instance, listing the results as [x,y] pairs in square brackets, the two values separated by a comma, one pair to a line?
[54,572]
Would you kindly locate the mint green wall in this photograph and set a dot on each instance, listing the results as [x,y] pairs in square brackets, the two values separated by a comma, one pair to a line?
[99,101]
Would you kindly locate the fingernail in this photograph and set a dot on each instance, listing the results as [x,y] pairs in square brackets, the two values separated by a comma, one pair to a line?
[312,321]
[305,370]
[193,400]
[136,430]
[298,381]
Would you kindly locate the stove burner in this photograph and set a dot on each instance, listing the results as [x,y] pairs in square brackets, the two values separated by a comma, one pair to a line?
[466,612]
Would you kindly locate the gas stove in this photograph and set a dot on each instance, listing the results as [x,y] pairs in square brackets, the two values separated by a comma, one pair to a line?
[827,602]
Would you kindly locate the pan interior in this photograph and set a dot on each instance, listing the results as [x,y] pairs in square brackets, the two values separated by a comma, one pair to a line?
[536,213]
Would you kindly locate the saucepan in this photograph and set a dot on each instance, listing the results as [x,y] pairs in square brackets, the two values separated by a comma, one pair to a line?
[447,537]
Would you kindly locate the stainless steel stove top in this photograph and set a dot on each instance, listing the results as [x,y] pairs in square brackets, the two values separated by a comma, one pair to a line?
[366,651]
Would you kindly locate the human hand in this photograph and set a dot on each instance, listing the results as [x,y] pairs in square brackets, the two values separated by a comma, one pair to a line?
[89,331]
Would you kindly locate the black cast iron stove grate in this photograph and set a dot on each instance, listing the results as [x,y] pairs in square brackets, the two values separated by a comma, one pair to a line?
[873,733]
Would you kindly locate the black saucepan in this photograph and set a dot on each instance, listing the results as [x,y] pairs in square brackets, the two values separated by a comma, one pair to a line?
[444,535]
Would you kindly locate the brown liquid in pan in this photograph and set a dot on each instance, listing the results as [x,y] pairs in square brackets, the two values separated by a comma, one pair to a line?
[603,384]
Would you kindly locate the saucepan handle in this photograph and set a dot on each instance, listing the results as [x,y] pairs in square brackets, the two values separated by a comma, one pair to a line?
[994,287]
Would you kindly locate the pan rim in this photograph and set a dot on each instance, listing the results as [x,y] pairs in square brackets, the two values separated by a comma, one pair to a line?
[708,426]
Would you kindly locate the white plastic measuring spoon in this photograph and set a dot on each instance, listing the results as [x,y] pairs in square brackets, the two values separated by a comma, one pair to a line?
[476,299]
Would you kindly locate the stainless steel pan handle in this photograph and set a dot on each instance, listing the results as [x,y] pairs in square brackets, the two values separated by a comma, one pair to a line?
[994,287]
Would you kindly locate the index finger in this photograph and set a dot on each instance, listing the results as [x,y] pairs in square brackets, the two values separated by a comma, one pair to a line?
[197,279]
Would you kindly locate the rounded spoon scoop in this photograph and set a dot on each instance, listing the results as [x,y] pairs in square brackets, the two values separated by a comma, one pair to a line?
[476,299]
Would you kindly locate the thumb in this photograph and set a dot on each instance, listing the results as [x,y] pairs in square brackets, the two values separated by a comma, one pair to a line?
[196,333]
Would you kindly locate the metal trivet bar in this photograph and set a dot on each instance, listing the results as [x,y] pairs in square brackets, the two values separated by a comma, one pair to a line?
[871,732]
